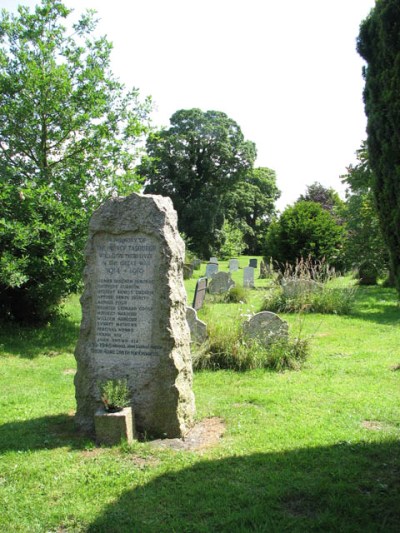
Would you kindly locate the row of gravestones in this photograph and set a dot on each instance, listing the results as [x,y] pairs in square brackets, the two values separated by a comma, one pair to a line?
[248,274]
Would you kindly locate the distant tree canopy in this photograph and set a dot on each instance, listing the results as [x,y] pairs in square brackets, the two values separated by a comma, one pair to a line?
[67,128]
[379,44]
[364,247]
[197,161]
[305,229]
[251,206]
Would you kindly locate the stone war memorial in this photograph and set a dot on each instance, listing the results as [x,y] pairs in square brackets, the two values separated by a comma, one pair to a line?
[134,316]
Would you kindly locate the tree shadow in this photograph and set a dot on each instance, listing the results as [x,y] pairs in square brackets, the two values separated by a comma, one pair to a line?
[47,432]
[59,336]
[339,488]
[377,304]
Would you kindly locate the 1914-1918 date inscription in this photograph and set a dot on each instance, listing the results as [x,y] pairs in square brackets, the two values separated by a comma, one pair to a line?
[124,296]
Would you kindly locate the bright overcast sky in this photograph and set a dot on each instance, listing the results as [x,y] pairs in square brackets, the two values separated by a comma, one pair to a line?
[286,71]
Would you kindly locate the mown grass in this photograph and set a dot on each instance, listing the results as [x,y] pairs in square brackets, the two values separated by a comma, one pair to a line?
[310,450]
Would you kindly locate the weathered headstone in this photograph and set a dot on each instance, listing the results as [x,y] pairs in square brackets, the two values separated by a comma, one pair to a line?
[196,264]
[267,327]
[296,287]
[198,328]
[221,282]
[134,315]
[211,269]
[248,277]
[213,260]
[199,293]
[253,263]
[233,265]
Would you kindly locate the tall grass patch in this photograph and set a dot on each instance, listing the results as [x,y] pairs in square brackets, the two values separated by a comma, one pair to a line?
[310,286]
[229,349]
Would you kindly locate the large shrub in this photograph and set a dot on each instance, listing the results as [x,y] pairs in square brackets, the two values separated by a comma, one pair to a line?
[305,229]
[67,131]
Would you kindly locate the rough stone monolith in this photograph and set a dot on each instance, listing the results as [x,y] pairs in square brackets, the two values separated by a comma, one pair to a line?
[134,316]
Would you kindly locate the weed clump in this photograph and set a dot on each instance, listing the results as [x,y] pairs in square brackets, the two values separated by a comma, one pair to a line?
[229,349]
[309,286]
[237,294]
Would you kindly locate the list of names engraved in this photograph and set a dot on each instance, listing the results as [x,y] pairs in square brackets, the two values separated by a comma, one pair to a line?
[124,296]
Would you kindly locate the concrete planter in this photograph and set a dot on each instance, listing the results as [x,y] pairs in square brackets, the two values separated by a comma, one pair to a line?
[112,428]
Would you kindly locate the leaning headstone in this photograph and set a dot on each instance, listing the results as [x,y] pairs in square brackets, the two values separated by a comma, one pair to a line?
[213,260]
[198,328]
[134,315]
[221,282]
[211,269]
[253,263]
[233,265]
[248,277]
[297,287]
[267,327]
[199,293]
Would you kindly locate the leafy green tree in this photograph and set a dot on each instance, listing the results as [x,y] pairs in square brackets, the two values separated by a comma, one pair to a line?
[196,162]
[364,246]
[67,128]
[251,206]
[379,44]
[305,229]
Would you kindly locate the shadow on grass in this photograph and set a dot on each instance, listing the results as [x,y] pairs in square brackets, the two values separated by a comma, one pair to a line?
[47,432]
[377,304]
[59,336]
[340,488]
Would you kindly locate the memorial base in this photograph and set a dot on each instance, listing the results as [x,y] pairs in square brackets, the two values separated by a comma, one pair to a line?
[112,428]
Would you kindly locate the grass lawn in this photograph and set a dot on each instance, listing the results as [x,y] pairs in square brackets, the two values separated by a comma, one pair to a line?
[314,450]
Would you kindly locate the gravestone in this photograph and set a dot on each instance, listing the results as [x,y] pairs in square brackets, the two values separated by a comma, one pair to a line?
[198,328]
[196,264]
[267,327]
[213,260]
[253,263]
[199,293]
[296,287]
[211,269]
[248,277]
[134,315]
[221,282]
[233,265]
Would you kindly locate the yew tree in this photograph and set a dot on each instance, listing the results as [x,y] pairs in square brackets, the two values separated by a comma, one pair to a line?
[67,132]
[379,44]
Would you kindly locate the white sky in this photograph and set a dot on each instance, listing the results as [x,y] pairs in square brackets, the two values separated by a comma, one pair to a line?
[285,70]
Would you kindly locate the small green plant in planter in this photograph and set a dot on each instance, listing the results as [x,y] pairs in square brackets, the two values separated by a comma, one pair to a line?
[114,395]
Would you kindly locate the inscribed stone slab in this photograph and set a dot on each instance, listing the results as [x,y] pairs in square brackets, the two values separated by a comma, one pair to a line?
[221,282]
[200,293]
[253,263]
[134,315]
[211,269]
[267,327]
[296,287]
[198,328]
[248,277]
[233,265]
